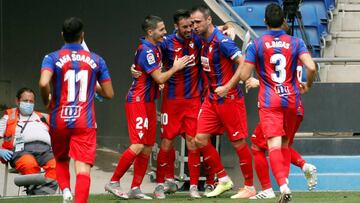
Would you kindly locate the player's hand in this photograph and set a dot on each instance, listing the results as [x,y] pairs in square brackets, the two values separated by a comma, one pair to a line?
[252,83]
[229,31]
[222,91]
[304,88]
[134,72]
[180,63]
[161,87]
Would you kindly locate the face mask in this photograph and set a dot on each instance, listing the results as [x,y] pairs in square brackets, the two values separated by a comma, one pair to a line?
[26,108]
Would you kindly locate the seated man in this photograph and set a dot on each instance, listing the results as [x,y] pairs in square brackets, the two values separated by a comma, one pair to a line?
[26,143]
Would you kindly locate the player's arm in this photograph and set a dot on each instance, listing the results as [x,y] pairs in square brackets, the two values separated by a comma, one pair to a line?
[252,83]
[223,90]
[104,86]
[179,63]
[105,89]
[228,29]
[44,84]
[306,59]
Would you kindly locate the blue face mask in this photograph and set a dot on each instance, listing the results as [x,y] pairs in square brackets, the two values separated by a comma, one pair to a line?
[26,108]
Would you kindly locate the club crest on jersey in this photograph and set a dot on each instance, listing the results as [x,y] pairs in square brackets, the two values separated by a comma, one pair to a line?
[191,44]
[150,58]
[70,113]
[141,134]
[205,64]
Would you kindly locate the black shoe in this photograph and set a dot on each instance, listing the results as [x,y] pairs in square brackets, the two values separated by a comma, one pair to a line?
[285,198]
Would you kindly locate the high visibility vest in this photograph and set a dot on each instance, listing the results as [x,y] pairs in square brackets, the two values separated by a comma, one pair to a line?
[13,118]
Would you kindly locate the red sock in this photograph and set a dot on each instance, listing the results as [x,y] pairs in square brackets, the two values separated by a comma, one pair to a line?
[262,168]
[245,161]
[277,165]
[140,167]
[82,188]
[210,175]
[296,158]
[212,159]
[171,167]
[161,165]
[123,165]
[287,158]
[194,166]
[63,174]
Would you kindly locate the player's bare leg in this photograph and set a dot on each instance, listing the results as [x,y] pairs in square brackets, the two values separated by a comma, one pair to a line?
[212,158]
[82,185]
[245,161]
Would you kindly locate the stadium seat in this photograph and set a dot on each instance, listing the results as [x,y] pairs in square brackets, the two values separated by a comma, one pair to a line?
[310,18]
[253,15]
[329,4]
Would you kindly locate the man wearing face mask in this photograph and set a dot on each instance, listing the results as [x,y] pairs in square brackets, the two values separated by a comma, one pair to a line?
[26,143]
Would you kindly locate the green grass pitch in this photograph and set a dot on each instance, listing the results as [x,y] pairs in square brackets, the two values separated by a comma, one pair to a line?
[298,197]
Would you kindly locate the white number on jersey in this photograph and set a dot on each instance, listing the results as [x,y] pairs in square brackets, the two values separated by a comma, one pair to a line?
[140,123]
[72,79]
[164,119]
[280,63]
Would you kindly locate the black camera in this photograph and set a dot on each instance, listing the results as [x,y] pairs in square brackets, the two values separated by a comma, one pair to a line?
[290,8]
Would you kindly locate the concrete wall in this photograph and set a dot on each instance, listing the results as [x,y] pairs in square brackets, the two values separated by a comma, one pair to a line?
[31,29]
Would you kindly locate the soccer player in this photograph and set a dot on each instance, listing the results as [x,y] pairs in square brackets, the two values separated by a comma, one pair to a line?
[180,104]
[221,59]
[73,72]
[140,106]
[275,56]
[259,148]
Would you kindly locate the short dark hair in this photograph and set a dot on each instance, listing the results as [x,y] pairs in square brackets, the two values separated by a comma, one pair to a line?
[22,90]
[181,14]
[274,15]
[205,10]
[72,29]
[150,23]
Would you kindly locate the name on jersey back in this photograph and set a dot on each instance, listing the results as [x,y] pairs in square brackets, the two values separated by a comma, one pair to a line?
[76,57]
[277,44]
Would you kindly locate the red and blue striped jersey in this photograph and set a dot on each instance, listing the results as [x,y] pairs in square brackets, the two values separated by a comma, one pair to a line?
[186,83]
[147,59]
[217,55]
[275,55]
[75,72]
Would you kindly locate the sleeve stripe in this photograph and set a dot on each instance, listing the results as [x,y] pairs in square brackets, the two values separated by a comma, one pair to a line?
[251,62]
[238,53]
[105,80]
[152,70]
[46,68]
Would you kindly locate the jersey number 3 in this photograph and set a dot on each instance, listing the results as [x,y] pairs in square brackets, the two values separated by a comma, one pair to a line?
[72,79]
[280,72]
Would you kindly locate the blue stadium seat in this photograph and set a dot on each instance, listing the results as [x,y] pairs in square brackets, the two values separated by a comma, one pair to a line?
[266,2]
[253,15]
[329,4]
[310,18]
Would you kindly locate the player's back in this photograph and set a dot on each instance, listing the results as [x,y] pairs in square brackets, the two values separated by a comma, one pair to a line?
[75,72]
[147,60]
[187,83]
[276,65]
